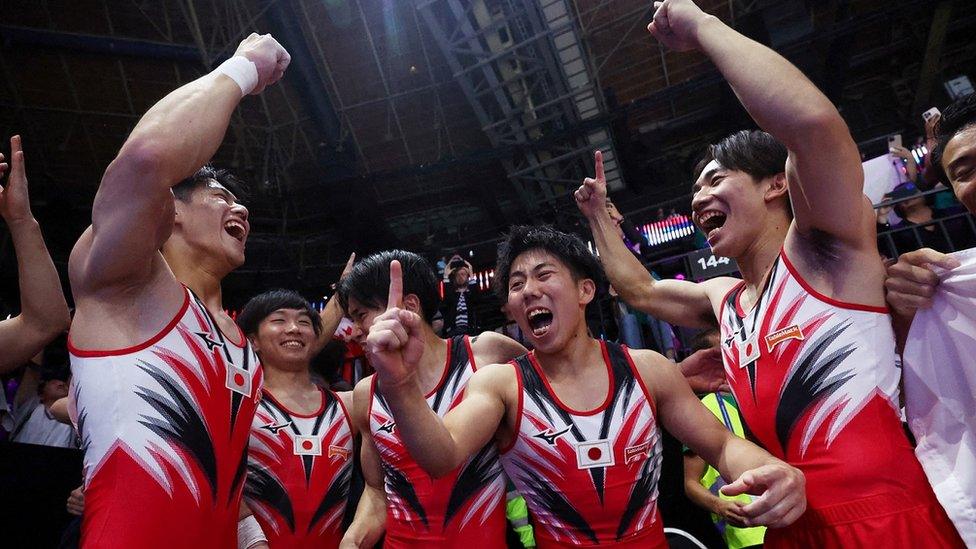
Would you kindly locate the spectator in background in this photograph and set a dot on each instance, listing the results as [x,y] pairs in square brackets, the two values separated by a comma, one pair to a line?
[926,229]
[44,312]
[458,308]
[703,482]
[917,217]
[44,382]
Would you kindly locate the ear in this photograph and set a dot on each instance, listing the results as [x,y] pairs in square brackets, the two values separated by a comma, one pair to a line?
[254,343]
[587,290]
[777,187]
[177,208]
[412,303]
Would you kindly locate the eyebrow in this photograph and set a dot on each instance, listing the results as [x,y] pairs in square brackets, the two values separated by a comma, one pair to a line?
[961,160]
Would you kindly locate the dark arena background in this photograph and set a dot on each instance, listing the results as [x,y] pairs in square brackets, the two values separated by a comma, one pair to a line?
[434,125]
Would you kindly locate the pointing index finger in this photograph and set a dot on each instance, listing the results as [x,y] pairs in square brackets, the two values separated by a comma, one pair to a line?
[598,162]
[396,285]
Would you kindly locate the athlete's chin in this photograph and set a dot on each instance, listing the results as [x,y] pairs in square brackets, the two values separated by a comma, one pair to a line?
[235,258]
[724,247]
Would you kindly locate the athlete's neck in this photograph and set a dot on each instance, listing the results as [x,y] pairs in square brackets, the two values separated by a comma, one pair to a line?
[286,380]
[758,258]
[196,272]
[434,359]
[573,357]
[293,388]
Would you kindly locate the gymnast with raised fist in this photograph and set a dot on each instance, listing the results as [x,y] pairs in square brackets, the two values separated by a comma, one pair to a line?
[165,384]
[806,338]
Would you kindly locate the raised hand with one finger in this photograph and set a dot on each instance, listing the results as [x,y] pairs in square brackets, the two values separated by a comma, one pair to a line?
[395,342]
[591,196]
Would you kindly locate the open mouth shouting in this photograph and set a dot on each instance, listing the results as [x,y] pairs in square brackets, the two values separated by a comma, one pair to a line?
[540,320]
[236,229]
[711,221]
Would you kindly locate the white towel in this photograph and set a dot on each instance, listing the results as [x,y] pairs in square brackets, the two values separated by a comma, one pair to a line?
[940,392]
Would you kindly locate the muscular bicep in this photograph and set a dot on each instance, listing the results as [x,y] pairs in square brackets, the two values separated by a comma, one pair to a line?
[826,182]
[132,217]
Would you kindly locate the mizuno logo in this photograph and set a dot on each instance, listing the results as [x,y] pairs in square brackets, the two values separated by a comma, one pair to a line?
[732,336]
[211,344]
[549,436]
[387,427]
[275,427]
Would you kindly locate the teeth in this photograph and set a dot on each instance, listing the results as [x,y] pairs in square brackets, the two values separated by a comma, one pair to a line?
[536,312]
[707,215]
[297,344]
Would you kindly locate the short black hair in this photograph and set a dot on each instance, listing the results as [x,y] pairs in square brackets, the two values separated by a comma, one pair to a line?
[569,248]
[369,281]
[959,116]
[263,305]
[184,189]
[754,152]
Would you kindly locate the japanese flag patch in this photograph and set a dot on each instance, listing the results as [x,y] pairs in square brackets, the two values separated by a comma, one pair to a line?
[308,446]
[238,380]
[594,454]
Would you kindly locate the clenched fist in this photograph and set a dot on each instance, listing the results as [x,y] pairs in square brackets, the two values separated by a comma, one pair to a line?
[269,58]
[676,23]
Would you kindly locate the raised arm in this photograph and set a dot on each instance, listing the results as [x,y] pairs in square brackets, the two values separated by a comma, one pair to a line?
[331,315]
[133,211]
[673,301]
[43,310]
[824,167]
[369,522]
[755,470]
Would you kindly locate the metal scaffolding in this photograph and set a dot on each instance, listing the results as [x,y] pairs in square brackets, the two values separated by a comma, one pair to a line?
[524,71]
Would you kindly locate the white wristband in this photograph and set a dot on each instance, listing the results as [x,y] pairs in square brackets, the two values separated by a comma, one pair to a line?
[242,71]
[249,532]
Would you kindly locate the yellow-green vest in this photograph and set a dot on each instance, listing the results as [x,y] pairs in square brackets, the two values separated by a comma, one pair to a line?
[725,409]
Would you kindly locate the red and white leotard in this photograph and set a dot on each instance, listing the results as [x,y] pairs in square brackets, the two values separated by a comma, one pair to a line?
[164,427]
[463,509]
[299,468]
[589,478]
[817,386]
